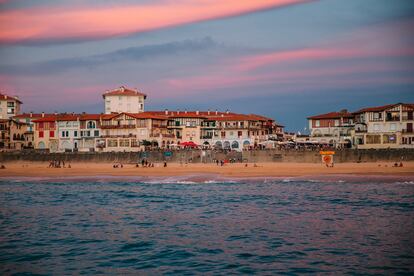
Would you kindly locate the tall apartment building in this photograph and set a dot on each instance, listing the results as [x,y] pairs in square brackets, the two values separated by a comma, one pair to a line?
[125,100]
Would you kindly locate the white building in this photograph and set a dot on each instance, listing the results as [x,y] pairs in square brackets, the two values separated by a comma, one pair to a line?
[389,126]
[125,100]
[334,128]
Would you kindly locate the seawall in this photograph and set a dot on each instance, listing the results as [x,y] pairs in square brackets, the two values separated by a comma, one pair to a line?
[197,156]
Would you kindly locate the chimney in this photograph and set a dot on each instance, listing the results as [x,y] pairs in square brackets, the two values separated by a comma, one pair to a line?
[31,114]
[185,111]
[178,111]
[166,111]
[227,111]
[222,115]
[216,112]
[344,111]
[122,88]
[197,112]
[43,114]
[208,112]
[56,113]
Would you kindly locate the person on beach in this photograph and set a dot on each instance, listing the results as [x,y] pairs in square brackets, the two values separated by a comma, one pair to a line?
[165,164]
[2,167]
[143,162]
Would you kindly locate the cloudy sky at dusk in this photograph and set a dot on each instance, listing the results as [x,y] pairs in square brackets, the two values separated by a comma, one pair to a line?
[286,59]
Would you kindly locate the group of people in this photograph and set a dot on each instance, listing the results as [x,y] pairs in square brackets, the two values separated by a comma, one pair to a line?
[145,164]
[58,164]
[398,165]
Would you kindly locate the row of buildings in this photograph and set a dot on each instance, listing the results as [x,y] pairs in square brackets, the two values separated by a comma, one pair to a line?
[388,126]
[126,126]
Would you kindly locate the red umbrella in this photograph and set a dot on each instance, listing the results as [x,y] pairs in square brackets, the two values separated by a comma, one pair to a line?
[189,144]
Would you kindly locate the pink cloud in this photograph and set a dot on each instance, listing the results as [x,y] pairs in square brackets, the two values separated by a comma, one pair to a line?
[92,23]
[315,54]
[308,76]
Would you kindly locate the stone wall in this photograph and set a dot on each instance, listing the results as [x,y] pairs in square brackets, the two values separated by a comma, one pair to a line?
[196,156]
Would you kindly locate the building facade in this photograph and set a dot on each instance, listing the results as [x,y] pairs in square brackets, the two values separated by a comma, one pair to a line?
[389,126]
[334,128]
[9,106]
[125,100]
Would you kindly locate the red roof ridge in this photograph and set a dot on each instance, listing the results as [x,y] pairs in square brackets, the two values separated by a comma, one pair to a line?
[124,91]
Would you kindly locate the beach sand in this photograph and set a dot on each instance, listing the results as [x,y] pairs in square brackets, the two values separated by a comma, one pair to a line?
[40,169]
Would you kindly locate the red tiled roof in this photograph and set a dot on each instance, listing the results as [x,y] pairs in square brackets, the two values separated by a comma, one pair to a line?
[46,119]
[382,108]
[333,115]
[32,115]
[123,91]
[4,97]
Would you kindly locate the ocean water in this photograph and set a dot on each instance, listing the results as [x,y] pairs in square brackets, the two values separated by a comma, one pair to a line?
[206,225]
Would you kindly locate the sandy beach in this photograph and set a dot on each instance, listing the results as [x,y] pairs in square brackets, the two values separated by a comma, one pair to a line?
[40,169]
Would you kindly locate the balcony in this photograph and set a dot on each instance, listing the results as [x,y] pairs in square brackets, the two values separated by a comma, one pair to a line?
[392,119]
[207,137]
[118,136]
[167,135]
[408,131]
[118,126]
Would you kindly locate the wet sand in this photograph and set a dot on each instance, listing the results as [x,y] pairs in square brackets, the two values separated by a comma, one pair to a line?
[40,169]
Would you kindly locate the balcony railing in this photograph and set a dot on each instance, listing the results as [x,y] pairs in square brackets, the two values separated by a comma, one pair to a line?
[407,131]
[392,119]
[118,136]
[118,126]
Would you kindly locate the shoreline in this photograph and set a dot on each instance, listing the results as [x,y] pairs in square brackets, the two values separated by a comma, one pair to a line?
[236,170]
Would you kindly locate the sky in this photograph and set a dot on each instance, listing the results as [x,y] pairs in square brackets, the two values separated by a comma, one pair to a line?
[286,59]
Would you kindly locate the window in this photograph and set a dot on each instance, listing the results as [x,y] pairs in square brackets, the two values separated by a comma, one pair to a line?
[112,143]
[63,133]
[389,139]
[96,133]
[91,124]
[393,127]
[223,134]
[336,122]
[239,133]
[75,133]
[231,133]
[376,127]
[124,143]
[141,106]
[41,125]
[317,123]
[377,115]
[52,134]
[373,139]
[41,134]
[52,125]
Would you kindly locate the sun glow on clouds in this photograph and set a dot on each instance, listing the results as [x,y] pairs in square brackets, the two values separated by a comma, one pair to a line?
[43,24]
[243,71]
